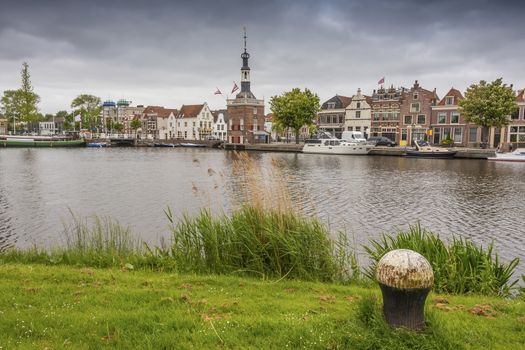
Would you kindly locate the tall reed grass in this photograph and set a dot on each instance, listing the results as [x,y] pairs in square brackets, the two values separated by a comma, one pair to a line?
[260,242]
[459,267]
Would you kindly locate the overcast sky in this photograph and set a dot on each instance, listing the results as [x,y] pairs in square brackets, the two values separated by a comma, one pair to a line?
[177,52]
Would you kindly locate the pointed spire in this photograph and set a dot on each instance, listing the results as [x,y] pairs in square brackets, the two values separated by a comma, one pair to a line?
[244,38]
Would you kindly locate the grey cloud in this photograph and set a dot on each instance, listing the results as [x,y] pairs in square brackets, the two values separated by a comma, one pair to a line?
[174,52]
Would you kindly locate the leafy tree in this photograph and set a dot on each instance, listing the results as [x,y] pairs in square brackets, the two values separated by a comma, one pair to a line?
[294,109]
[135,124]
[69,119]
[28,99]
[11,101]
[89,108]
[488,105]
[118,127]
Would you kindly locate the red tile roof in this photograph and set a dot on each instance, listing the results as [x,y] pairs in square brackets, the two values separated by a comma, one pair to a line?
[521,96]
[190,111]
[452,92]
[159,111]
[345,101]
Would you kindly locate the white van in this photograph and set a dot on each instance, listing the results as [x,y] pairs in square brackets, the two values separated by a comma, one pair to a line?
[353,136]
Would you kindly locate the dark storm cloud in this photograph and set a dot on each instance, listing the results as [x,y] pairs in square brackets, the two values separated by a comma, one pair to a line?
[174,52]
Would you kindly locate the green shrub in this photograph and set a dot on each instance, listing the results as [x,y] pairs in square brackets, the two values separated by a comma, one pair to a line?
[459,267]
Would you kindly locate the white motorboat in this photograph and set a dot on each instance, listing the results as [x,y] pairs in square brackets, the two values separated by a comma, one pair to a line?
[326,144]
[518,155]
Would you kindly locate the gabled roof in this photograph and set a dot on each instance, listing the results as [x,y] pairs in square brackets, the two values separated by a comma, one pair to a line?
[159,111]
[216,115]
[340,102]
[521,96]
[269,117]
[454,93]
[190,111]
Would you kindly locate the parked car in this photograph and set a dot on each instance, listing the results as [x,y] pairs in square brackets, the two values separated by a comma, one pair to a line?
[381,141]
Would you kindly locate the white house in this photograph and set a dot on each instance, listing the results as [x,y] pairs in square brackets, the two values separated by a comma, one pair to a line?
[358,114]
[220,125]
[194,122]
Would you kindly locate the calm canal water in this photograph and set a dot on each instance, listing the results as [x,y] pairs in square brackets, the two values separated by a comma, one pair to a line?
[364,196]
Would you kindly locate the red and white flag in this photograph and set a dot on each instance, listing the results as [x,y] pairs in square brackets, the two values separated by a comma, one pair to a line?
[235,87]
[218,92]
[381,81]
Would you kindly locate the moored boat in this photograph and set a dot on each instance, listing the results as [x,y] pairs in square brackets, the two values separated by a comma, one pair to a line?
[325,143]
[166,145]
[193,145]
[38,141]
[518,155]
[96,144]
[424,150]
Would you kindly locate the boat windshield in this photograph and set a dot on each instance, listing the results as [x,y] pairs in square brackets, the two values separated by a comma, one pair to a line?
[422,143]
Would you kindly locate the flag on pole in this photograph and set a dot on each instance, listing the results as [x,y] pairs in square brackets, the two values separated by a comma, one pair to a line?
[218,92]
[235,87]
[381,81]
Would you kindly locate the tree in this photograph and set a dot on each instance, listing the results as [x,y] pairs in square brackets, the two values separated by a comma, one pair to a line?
[89,108]
[294,109]
[28,99]
[11,101]
[488,105]
[118,127]
[69,119]
[135,124]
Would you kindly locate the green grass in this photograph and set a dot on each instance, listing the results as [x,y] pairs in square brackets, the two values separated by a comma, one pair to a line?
[67,307]
[460,266]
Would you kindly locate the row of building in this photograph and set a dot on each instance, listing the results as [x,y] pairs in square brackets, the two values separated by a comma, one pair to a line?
[404,115]
[400,114]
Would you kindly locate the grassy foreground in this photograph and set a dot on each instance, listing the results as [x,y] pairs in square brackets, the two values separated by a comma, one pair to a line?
[58,307]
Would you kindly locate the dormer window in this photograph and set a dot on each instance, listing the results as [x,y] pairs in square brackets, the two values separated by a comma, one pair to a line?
[449,100]
[330,105]
[358,105]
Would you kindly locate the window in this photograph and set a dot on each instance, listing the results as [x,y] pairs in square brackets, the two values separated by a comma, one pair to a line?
[515,115]
[421,119]
[404,135]
[385,116]
[330,105]
[442,118]
[194,123]
[350,128]
[341,119]
[408,119]
[376,116]
[458,135]
[357,128]
[358,114]
[255,110]
[358,105]
[449,100]
[415,96]
[437,135]
[446,133]
[185,124]
[414,107]
[395,115]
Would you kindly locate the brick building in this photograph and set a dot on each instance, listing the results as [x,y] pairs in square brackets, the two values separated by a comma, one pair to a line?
[415,112]
[386,104]
[246,112]
[516,129]
[331,117]
[448,122]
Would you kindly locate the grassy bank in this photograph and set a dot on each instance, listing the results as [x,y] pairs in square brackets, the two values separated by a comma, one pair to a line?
[59,307]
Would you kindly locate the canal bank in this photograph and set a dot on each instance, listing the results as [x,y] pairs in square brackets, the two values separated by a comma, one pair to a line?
[468,153]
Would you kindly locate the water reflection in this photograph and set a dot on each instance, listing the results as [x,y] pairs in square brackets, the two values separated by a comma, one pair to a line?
[363,195]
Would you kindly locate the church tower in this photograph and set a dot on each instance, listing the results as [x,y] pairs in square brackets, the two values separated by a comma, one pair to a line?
[246,113]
